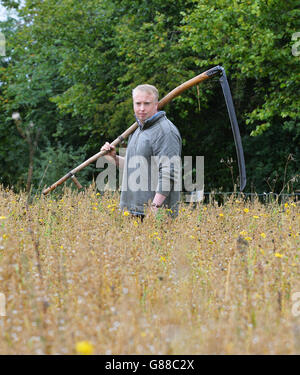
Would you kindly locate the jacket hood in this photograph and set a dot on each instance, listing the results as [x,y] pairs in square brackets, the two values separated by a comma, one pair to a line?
[151,120]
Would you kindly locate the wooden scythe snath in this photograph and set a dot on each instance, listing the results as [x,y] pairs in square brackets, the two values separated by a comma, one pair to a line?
[173,94]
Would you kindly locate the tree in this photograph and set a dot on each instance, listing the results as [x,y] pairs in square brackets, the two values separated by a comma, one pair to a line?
[72,65]
[252,40]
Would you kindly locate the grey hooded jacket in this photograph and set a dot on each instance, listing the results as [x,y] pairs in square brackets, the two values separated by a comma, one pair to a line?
[152,164]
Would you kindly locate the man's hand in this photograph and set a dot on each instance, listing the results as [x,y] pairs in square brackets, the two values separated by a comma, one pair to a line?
[157,202]
[154,209]
[111,155]
[111,150]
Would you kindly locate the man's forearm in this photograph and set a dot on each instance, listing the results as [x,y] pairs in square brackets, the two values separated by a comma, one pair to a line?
[158,199]
[117,160]
[120,161]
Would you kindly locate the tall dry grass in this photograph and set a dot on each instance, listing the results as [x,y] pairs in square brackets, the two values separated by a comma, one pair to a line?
[214,280]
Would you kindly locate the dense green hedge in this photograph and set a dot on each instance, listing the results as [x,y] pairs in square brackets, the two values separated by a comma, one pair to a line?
[70,67]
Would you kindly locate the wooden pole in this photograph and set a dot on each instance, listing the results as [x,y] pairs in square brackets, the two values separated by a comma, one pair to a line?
[164,101]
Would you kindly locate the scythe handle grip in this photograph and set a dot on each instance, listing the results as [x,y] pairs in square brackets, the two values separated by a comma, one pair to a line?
[76,182]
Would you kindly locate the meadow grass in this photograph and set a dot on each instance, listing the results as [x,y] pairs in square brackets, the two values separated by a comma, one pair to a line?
[215,280]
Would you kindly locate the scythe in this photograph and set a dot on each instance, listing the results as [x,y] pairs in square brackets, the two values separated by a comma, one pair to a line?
[174,93]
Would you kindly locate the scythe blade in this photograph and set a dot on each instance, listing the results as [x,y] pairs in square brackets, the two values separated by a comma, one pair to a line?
[235,128]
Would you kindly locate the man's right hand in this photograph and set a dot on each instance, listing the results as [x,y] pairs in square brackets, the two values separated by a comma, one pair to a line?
[111,150]
[111,155]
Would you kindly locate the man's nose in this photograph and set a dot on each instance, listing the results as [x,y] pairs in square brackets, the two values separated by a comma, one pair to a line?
[142,107]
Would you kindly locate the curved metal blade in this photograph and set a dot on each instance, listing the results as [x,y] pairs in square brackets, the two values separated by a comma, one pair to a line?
[235,129]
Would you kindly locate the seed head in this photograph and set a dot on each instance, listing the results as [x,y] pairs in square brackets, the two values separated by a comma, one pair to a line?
[16,116]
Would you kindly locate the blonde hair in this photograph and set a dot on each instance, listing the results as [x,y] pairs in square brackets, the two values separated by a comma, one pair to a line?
[147,88]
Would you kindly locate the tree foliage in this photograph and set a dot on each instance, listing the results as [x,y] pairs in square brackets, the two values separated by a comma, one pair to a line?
[71,66]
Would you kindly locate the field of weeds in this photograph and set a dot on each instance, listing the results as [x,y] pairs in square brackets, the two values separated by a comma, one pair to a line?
[78,276]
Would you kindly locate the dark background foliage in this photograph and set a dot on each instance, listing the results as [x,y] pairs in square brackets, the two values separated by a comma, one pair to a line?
[70,67]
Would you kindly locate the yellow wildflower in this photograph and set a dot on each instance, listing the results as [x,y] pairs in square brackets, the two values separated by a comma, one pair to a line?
[221,215]
[126,213]
[153,235]
[5,236]
[263,235]
[246,210]
[84,347]
[248,238]
[256,217]
[163,259]
[278,255]
[3,217]
[243,233]
[135,223]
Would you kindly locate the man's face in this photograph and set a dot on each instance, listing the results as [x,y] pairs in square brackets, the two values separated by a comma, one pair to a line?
[144,105]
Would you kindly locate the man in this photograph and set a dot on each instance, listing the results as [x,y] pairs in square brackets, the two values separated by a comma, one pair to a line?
[152,165]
